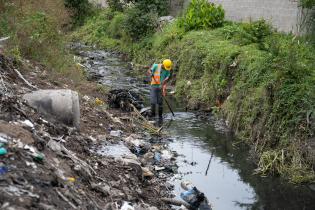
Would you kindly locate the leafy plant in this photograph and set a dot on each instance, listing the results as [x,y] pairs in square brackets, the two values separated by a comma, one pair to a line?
[202,14]
[155,6]
[80,9]
[116,26]
[258,30]
[138,24]
[309,4]
[35,33]
[116,5]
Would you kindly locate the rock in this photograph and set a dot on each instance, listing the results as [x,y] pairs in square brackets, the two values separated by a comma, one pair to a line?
[60,104]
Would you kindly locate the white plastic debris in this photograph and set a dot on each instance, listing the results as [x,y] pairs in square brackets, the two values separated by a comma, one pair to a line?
[3,138]
[127,206]
[27,123]
[86,98]
[117,133]
[166,155]
[157,168]
[32,164]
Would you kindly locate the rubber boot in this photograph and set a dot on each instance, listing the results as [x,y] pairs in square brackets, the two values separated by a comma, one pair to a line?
[160,122]
[152,116]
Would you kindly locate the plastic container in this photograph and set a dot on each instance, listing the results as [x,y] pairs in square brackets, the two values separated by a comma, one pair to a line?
[3,170]
[3,151]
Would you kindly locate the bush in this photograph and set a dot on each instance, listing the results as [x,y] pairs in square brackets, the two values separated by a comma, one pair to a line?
[80,9]
[116,26]
[248,33]
[155,6]
[35,34]
[138,24]
[115,5]
[258,30]
[202,15]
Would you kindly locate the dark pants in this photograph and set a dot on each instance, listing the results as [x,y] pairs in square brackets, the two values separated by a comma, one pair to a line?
[156,100]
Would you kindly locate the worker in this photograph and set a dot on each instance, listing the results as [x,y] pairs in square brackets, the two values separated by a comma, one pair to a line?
[160,75]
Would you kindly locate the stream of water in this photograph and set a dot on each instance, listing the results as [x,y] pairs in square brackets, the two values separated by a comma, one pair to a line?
[207,156]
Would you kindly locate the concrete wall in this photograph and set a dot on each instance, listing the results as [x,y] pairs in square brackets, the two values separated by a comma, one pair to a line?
[283,14]
[100,3]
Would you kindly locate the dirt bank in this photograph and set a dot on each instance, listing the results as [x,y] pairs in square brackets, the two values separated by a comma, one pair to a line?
[48,165]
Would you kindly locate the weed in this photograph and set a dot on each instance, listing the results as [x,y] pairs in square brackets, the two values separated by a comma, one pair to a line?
[201,14]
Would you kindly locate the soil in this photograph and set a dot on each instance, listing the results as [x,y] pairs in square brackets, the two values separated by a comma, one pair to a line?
[51,166]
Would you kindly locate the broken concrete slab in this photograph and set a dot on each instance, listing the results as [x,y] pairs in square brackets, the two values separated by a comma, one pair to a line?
[62,104]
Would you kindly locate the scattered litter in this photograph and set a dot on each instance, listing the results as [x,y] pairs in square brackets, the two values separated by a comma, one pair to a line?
[27,123]
[54,146]
[34,166]
[38,157]
[194,197]
[99,102]
[3,170]
[70,179]
[147,172]
[3,151]
[86,98]
[157,157]
[157,168]
[126,206]
[3,138]
[123,99]
[166,155]
[117,133]
[15,191]
[116,151]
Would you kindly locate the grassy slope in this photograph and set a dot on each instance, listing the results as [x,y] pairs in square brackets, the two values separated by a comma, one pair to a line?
[264,88]
[37,30]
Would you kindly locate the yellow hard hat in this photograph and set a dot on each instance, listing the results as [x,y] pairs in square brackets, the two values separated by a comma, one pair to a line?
[167,63]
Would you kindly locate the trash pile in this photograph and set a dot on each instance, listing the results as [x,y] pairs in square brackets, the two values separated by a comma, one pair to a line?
[46,164]
[121,98]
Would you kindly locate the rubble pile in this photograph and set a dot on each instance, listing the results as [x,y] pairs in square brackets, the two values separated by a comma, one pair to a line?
[47,165]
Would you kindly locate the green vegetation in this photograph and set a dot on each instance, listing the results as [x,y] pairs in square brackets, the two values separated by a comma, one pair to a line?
[260,80]
[201,14]
[36,33]
[79,9]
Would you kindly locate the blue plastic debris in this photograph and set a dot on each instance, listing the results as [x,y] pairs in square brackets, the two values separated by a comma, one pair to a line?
[157,157]
[3,170]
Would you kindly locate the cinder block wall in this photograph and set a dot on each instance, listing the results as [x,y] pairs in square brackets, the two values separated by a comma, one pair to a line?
[100,3]
[282,14]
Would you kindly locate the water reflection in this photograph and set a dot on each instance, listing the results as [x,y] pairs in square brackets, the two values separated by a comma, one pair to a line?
[229,182]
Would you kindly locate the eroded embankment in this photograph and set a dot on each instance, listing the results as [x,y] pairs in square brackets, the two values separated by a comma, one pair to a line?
[47,165]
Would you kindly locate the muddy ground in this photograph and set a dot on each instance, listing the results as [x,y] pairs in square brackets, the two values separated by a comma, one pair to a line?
[48,165]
